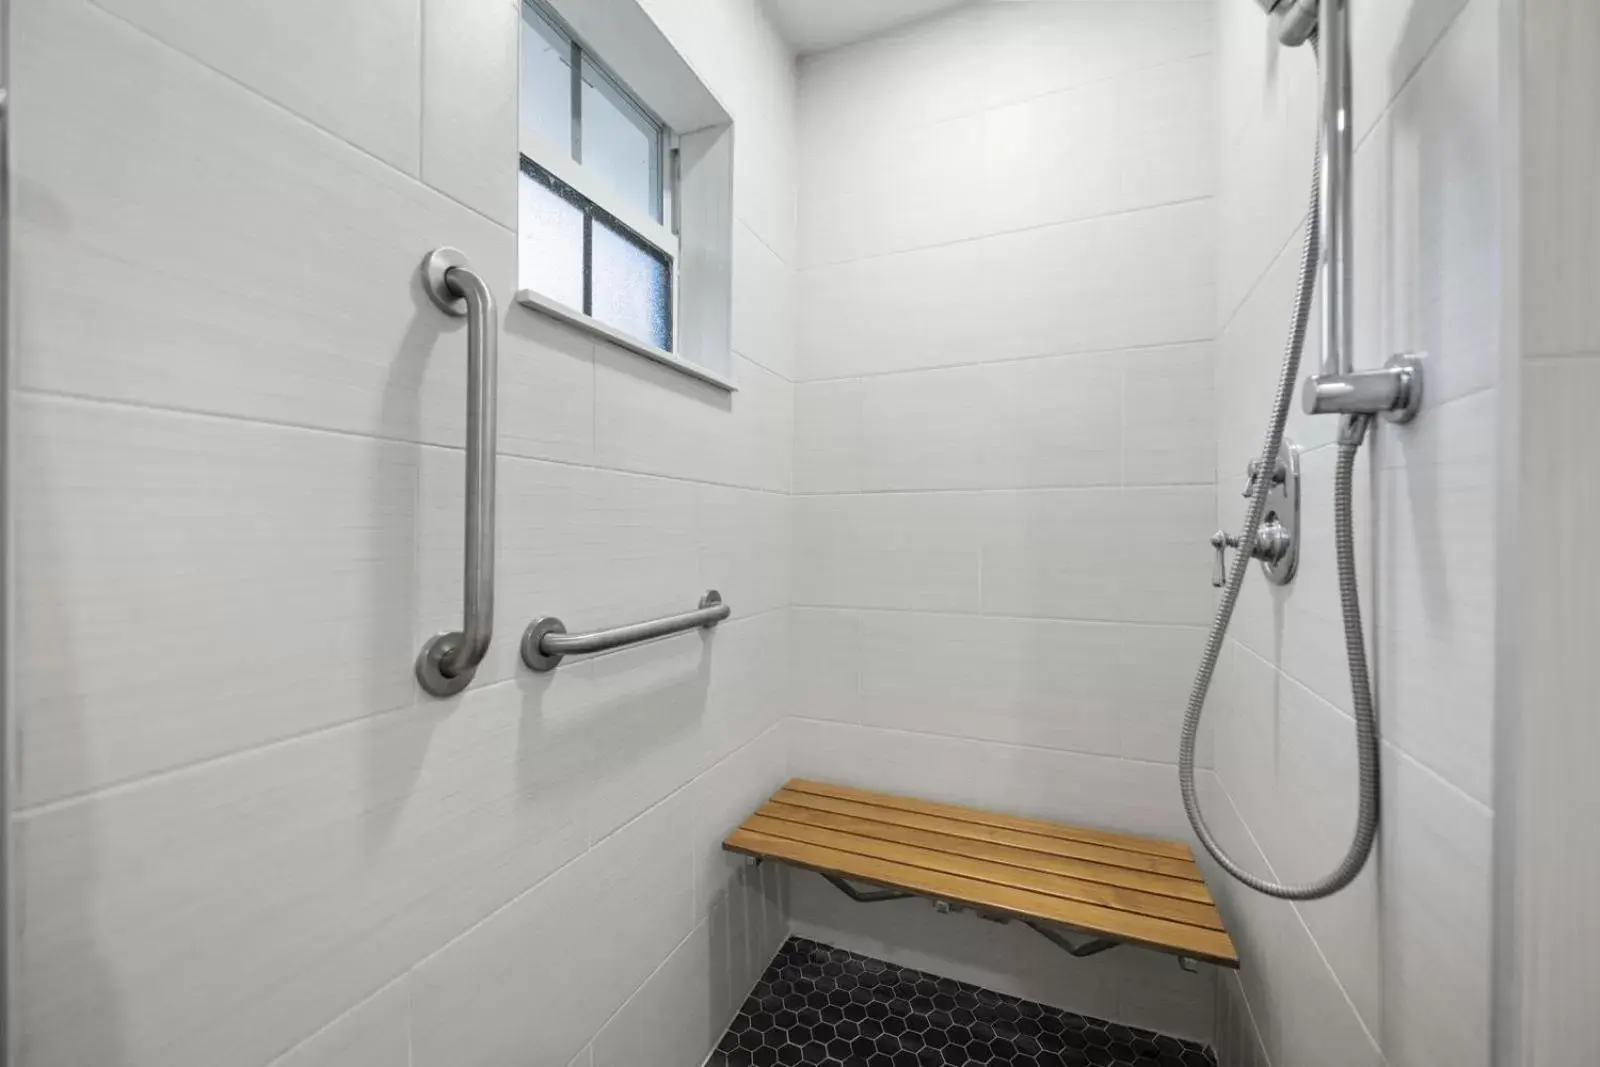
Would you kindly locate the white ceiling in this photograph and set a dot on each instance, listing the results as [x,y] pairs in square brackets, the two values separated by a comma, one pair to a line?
[816,25]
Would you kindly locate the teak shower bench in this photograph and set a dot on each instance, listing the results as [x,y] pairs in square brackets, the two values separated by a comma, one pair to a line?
[1117,888]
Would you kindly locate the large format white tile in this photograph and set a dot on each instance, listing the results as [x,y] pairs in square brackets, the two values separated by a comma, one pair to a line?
[350,66]
[653,419]
[1560,204]
[1434,502]
[224,913]
[1288,760]
[1124,281]
[1044,47]
[1167,416]
[1088,687]
[1304,1015]
[1126,555]
[888,550]
[827,436]
[1436,879]
[1268,142]
[763,304]
[628,725]
[825,663]
[743,539]
[1388,45]
[190,586]
[892,191]
[576,946]
[239,285]
[1042,422]
[746,696]
[1557,618]
[1426,215]
[375,1033]
[913,76]
[724,796]
[673,1019]
[470,77]
[924,308]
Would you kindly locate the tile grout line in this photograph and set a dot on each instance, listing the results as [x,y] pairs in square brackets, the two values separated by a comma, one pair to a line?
[1085,353]
[1120,213]
[40,809]
[985,741]
[953,614]
[255,422]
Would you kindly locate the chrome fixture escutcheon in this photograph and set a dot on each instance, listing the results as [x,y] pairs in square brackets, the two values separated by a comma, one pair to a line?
[1277,540]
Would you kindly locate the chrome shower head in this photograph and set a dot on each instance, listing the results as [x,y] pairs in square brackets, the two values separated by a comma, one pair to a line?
[1294,21]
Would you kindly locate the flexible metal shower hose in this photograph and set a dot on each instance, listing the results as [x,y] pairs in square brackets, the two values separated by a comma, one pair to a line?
[1351,432]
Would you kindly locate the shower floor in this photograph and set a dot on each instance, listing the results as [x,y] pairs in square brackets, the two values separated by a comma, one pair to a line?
[823,1005]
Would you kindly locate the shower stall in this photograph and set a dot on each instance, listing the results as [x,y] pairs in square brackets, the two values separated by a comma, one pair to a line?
[463,456]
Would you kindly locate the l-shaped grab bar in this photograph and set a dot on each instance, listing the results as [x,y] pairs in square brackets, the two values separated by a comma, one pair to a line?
[448,661]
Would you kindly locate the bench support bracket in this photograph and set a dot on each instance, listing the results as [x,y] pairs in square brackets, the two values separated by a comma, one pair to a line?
[1087,948]
[865,896]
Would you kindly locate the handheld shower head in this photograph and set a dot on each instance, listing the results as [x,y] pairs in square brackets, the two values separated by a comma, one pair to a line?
[1294,21]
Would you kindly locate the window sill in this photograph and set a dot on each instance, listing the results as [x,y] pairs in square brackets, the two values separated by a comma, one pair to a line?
[595,328]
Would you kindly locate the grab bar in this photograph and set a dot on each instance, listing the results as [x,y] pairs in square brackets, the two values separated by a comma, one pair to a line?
[448,661]
[546,640]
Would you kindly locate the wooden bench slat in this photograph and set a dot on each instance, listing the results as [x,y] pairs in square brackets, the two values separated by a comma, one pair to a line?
[1137,861]
[1126,842]
[1158,884]
[1211,945]
[999,875]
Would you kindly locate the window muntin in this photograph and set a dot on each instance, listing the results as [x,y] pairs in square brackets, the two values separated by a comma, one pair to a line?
[620,278]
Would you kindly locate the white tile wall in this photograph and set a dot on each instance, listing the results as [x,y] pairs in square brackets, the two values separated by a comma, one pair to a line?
[245,837]
[576,946]
[1004,462]
[1118,281]
[1547,860]
[1341,981]
[1552,933]
[1098,688]
[375,1033]
[301,55]
[469,103]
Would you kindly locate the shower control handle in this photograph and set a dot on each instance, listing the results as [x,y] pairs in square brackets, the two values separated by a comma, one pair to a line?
[1272,543]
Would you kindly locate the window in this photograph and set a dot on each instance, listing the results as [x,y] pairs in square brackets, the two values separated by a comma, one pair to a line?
[595,190]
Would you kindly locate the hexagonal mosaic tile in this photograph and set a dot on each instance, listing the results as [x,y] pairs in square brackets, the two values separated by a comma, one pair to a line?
[826,1006]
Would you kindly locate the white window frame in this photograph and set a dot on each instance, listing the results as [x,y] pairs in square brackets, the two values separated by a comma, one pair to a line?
[589,183]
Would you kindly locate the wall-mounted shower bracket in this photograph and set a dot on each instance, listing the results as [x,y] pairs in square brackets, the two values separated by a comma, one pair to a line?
[1393,391]
[1277,540]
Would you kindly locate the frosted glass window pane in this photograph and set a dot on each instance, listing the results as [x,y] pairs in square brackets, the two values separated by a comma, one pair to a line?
[631,287]
[620,142]
[546,81]
[550,259]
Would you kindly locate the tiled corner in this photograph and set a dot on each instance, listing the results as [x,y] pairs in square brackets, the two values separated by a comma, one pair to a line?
[821,1005]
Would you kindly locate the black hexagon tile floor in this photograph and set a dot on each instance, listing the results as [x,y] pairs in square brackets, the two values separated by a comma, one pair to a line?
[825,1006]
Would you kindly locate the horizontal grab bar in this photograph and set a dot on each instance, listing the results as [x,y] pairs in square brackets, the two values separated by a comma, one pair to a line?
[546,640]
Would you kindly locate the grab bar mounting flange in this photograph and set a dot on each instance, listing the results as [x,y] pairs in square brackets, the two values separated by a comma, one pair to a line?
[546,642]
